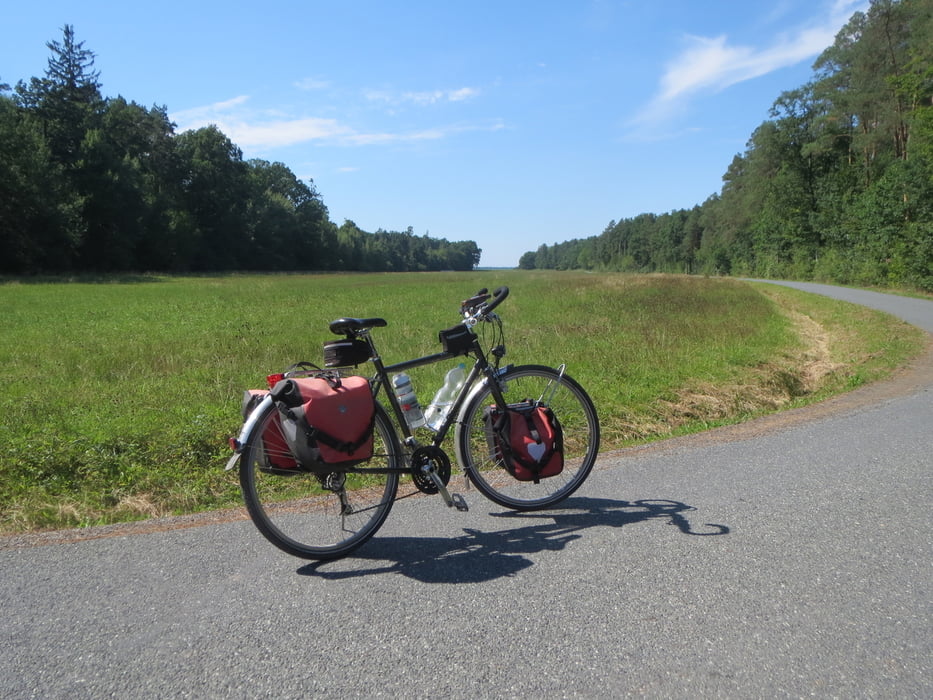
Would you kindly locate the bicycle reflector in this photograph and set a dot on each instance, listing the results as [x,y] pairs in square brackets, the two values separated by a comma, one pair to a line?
[274,379]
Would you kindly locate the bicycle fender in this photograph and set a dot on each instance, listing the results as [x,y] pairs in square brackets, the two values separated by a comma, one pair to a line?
[248,427]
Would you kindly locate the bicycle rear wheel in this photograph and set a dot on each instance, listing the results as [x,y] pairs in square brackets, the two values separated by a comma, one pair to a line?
[577,417]
[318,516]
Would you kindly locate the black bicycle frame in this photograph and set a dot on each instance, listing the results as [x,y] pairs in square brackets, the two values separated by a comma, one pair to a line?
[480,366]
[381,378]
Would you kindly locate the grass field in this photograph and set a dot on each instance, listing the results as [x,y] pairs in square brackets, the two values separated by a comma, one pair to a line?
[119,396]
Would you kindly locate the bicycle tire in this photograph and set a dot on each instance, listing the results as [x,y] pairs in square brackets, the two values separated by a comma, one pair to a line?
[578,419]
[299,516]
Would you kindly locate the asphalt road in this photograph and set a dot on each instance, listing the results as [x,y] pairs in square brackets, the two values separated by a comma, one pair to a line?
[789,557]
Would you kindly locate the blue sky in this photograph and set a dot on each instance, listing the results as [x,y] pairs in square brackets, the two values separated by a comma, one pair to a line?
[509,123]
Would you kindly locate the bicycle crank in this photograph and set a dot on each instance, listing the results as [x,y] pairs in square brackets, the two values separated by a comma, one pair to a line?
[430,471]
[428,462]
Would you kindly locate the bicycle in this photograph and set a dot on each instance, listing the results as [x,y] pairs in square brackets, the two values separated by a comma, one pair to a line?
[327,516]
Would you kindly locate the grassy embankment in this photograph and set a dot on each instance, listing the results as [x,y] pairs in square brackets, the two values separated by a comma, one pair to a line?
[119,397]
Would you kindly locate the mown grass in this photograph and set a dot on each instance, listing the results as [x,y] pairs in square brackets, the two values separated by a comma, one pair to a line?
[119,396]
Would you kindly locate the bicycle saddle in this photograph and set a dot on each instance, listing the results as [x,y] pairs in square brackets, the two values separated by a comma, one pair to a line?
[350,326]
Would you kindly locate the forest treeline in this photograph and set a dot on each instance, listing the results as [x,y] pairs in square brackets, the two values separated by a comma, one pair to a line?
[837,185]
[95,184]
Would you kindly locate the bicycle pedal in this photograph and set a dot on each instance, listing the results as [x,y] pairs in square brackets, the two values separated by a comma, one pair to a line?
[459,502]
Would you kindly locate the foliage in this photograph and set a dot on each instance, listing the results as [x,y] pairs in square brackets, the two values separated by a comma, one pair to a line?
[95,184]
[837,185]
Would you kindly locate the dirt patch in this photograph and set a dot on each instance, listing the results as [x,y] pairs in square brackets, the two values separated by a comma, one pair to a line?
[914,377]
[801,372]
[815,359]
[179,522]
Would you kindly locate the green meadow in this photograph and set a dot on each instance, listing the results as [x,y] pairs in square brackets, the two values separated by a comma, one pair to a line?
[119,395]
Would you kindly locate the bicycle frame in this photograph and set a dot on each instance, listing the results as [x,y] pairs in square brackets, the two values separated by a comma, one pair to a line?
[481,366]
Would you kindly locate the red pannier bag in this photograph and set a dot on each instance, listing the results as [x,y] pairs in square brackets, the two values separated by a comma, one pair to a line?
[326,421]
[527,439]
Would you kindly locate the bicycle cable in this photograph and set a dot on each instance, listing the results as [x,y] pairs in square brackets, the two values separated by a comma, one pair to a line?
[497,345]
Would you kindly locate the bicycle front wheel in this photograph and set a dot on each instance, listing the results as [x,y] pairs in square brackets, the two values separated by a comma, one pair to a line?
[573,409]
[317,516]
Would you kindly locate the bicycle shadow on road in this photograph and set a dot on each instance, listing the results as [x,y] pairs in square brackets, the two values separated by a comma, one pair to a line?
[478,556]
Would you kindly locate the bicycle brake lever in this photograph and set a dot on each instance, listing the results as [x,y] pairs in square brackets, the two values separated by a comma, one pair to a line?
[474,301]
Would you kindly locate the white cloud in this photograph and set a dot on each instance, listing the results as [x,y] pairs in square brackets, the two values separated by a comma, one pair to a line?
[424,97]
[250,131]
[254,130]
[711,64]
[282,132]
[199,114]
[376,138]
[465,93]
[431,134]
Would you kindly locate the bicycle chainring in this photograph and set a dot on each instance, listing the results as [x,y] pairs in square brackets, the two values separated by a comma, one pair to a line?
[433,458]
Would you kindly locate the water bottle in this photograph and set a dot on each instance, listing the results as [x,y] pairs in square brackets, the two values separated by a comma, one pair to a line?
[445,397]
[408,400]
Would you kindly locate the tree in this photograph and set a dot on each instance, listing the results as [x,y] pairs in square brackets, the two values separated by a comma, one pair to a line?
[129,179]
[67,100]
[215,192]
[39,226]
[63,106]
[855,78]
[290,229]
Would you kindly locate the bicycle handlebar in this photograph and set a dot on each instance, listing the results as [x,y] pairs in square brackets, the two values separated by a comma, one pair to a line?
[476,307]
[498,297]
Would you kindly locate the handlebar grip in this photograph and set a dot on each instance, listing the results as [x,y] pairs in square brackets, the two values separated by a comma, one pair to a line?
[498,297]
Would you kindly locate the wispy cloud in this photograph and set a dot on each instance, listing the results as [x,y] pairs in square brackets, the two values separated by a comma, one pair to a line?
[312,84]
[708,65]
[430,134]
[255,130]
[423,97]
[461,94]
